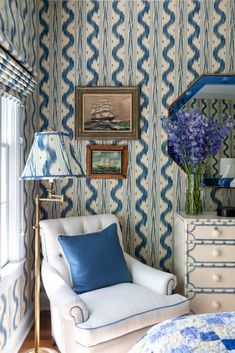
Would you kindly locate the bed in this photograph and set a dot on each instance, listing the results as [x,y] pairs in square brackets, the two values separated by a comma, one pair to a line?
[206,333]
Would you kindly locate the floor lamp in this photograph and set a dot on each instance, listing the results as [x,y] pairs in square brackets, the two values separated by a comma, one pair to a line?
[51,157]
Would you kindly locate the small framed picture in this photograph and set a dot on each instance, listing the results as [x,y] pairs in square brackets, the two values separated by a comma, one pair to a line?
[106,161]
[107,112]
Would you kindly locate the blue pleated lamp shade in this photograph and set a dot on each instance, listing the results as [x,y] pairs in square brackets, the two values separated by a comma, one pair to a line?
[52,157]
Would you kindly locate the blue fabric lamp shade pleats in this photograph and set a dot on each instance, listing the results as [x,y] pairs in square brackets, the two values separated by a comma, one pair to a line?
[52,157]
[96,260]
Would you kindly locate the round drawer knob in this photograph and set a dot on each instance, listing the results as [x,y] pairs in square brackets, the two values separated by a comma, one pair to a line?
[216,233]
[216,305]
[216,277]
[216,253]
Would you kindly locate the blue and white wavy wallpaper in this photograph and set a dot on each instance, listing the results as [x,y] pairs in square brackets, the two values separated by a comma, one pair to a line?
[161,46]
[18,21]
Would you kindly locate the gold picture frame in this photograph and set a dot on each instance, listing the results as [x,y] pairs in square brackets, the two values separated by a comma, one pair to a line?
[107,112]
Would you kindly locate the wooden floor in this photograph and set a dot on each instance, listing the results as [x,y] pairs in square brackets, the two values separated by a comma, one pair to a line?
[45,333]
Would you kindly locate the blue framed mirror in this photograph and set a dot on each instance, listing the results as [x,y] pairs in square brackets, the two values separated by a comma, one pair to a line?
[213,95]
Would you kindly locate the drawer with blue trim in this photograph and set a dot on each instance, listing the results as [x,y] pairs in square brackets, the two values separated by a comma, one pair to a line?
[211,277]
[211,302]
[211,253]
[213,232]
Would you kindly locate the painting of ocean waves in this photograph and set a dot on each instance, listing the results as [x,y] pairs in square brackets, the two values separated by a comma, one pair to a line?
[118,125]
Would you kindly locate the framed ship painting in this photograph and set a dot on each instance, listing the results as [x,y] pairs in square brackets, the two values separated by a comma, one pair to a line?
[107,112]
[106,161]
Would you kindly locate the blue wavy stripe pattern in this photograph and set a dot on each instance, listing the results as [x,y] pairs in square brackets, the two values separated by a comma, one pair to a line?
[33,112]
[105,44]
[226,141]
[25,215]
[203,106]
[18,38]
[154,125]
[43,81]
[195,34]
[144,128]
[13,24]
[220,36]
[6,18]
[164,168]
[214,112]
[94,81]
[23,31]
[56,54]
[3,330]
[70,91]
[34,128]
[230,44]
[44,73]
[180,53]
[120,67]
[120,43]
[129,212]
[214,198]
[2,23]
[94,34]
[16,301]
[206,43]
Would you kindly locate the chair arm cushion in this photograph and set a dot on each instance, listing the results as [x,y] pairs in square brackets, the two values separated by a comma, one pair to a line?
[62,297]
[159,281]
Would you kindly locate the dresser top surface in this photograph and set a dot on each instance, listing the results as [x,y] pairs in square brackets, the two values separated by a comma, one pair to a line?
[206,216]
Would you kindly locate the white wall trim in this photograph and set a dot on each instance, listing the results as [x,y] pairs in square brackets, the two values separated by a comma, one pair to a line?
[17,338]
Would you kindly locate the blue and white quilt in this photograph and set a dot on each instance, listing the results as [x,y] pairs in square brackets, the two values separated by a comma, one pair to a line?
[206,333]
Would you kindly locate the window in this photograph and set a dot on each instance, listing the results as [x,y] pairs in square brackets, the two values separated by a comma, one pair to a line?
[10,188]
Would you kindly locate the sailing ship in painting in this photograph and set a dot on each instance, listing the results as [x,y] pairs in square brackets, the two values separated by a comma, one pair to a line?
[106,162]
[106,165]
[103,117]
[102,111]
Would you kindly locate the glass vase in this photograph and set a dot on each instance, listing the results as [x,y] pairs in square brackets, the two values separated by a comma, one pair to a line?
[193,202]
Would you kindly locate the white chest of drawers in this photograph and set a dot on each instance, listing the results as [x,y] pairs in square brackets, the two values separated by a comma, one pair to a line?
[204,261]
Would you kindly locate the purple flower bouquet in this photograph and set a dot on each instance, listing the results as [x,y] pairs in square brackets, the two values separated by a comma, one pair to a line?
[193,138]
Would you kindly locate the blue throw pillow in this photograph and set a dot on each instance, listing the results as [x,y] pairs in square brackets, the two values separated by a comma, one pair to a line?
[96,260]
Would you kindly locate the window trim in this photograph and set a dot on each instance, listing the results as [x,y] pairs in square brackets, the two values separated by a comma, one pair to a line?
[16,223]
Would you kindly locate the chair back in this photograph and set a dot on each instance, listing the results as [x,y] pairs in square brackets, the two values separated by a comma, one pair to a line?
[51,228]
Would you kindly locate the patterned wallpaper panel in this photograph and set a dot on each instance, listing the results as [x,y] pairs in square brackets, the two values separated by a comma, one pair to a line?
[18,21]
[161,46]
[17,26]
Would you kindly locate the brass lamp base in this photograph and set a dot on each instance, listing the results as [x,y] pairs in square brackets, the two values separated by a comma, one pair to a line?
[41,350]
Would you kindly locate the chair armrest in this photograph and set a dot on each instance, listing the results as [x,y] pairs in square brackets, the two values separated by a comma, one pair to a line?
[159,281]
[62,297]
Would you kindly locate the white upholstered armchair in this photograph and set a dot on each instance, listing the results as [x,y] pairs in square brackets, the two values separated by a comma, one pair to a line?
[110,319]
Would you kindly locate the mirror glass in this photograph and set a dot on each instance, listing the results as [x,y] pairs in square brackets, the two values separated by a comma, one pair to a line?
[213,95]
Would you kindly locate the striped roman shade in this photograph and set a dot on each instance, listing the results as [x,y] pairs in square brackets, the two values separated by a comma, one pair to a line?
[14,76]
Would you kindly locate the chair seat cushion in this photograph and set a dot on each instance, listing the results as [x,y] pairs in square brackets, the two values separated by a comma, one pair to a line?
[123,308]
[96,259]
